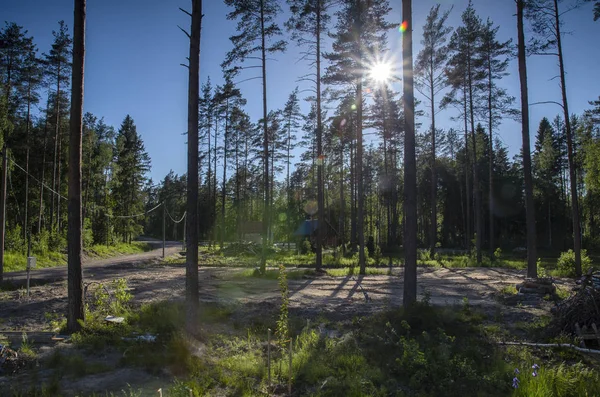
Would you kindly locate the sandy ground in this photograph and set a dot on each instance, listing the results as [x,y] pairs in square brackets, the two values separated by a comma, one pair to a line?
[334,298]
[152,280]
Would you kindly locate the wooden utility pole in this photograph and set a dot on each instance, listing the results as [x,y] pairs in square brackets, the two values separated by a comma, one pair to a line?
[74,240]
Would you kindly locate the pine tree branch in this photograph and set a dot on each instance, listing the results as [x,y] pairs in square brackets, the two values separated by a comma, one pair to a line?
[184,31]
[185,12]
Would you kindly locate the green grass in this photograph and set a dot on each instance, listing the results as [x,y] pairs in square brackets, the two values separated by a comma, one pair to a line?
[354,271]
[272,274]
[15,261]
[103,251]
[428,351]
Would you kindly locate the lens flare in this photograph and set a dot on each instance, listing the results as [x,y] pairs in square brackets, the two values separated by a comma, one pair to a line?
[403,27]
[381,72]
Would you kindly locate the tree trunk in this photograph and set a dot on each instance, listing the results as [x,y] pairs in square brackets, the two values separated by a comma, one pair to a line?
[321,160]
[360,225]
[476,188]
[42,179]
[529,203]
[263,259]
[56,147]
[74,241]
[342,200]
[433,237]
[468,192]
[223,190]
[28,121]
[410,165]
[191,238]
[570,155]
[491,160]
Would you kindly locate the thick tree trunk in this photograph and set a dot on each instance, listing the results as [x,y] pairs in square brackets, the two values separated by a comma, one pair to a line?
[191,238]
[410,165]
[74,240]
[529,203]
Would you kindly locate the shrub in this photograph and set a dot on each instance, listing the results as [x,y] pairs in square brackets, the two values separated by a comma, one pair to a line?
[566,263]
[305,247]
[498,253]
[377,255]
[88,235]
[57,241]
[14,240]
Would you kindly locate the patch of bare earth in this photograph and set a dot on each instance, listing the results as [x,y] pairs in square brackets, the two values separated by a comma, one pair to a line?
[334,298]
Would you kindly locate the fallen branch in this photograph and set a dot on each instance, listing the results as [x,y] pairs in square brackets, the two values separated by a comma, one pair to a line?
[567,345]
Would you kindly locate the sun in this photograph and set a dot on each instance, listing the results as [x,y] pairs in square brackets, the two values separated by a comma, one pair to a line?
[380,72]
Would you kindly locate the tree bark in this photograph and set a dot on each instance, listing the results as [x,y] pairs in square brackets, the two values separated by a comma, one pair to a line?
[570,155]
[529,203]
[433,239]
[359,153]
[410,165]
[263,259]
[491,160]
[191,254]
[321,160]
[74,241]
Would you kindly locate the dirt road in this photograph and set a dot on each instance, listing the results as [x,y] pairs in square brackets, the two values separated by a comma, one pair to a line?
[152,280]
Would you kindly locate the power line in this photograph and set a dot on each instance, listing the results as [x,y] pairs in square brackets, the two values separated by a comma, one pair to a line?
[137,215]
[179,221]
[37,180]
[89,209]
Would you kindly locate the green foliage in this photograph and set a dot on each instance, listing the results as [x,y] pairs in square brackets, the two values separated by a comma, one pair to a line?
[14,240]
[282,330]
[561,381]
[88,234]
[305,247]
[57,242]
[498,253]
[565,265]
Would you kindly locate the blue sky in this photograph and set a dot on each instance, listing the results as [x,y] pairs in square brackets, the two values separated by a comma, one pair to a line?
[134,51]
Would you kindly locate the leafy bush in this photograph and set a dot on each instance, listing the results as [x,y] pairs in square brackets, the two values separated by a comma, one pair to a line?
[305,247]
[57,241]
[14,240]
[498,253]
[88,235]
[39,244]
[566,263]
[377,255]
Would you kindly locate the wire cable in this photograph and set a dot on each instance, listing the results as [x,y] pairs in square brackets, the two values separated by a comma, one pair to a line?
[136,215]
[89,208]
[37,180]
[174,221]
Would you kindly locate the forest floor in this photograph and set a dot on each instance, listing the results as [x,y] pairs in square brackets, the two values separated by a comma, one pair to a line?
[249,299]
